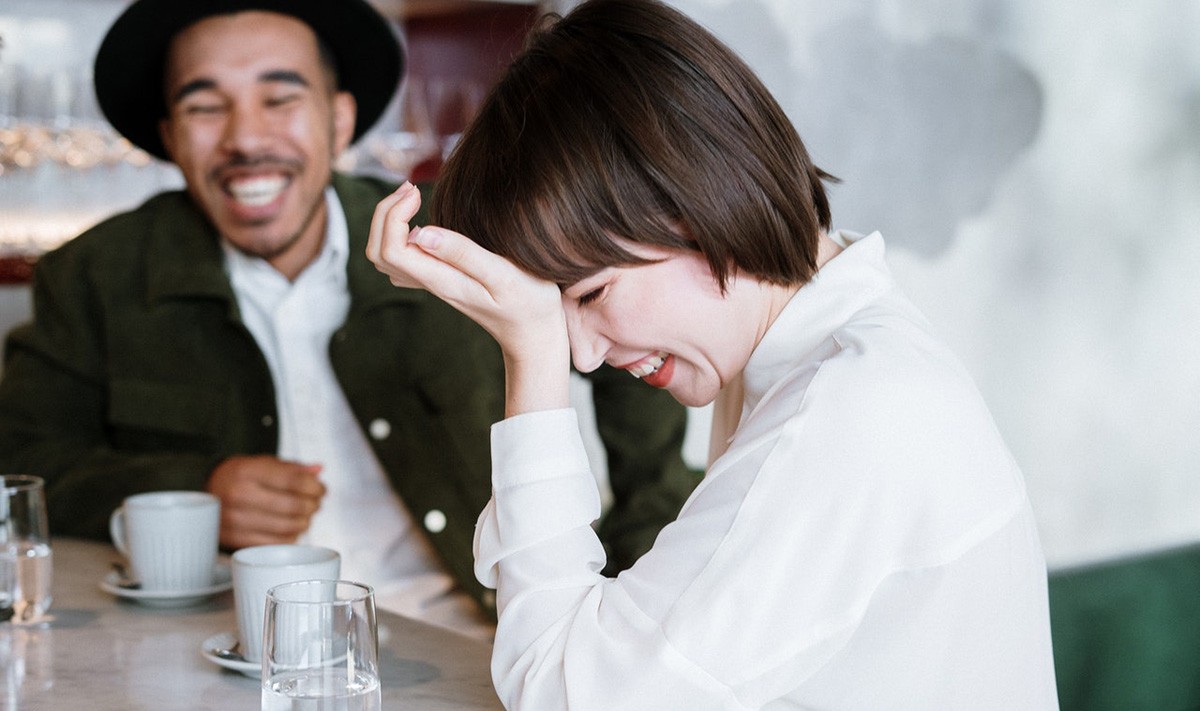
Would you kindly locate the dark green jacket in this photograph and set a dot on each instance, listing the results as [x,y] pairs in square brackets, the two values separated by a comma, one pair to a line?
[138,374]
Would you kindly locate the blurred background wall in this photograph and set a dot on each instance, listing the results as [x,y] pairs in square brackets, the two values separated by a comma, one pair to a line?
[1034,168]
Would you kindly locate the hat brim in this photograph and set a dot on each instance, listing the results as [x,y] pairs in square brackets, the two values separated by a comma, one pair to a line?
[128,72]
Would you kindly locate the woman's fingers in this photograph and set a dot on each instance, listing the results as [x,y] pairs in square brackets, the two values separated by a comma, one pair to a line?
[389,225]
[464,255]
[424,262]
[443,258]
[519,310]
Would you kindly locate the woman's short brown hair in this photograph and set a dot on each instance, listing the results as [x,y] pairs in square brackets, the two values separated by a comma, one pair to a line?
[627,119]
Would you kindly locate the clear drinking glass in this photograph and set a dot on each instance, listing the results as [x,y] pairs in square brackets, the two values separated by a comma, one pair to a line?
[25,558]
[320,648]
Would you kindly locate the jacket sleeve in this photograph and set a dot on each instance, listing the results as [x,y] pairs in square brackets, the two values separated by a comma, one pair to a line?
[54,412]
[642,430]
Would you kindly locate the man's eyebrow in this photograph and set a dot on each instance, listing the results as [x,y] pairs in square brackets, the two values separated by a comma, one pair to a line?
[191,88]
[283,75]
[286,76]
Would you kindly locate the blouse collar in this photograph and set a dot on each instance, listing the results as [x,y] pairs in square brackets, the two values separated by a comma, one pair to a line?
[841,288]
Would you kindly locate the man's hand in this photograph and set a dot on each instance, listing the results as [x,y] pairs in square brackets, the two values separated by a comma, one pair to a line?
[264,499]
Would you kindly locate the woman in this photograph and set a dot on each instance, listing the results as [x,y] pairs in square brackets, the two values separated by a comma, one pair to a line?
[862,538]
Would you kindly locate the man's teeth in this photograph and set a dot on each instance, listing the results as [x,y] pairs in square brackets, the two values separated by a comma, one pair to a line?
[257,191]
[648,366]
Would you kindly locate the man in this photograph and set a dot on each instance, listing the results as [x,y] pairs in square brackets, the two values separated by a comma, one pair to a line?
[235,339]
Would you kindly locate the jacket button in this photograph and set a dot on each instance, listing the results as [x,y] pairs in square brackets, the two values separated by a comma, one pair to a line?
[488,598]
[380,429]
[435,521]
[267,421]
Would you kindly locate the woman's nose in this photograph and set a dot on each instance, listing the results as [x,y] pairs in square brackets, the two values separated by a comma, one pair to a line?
[588,346]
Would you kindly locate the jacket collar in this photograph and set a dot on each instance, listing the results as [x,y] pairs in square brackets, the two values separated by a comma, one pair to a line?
[185,259]
[368,286]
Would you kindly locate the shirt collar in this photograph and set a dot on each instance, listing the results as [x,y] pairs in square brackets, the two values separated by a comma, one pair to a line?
[841,288]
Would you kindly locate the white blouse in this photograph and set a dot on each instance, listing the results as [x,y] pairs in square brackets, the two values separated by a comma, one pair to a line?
[864,542]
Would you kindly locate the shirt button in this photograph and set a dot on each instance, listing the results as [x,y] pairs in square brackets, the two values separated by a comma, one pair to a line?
[435,521]
[488,599]
[267,421]
[380,429]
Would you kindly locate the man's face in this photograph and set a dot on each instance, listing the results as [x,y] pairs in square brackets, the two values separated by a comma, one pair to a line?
[254,124]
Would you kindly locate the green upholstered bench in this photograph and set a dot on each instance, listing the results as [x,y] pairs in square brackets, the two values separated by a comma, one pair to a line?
[1127,633]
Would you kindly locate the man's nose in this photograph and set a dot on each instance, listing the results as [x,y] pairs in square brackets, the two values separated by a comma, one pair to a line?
[245,130]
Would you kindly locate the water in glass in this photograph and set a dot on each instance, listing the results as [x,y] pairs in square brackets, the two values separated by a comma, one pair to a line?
[33,566]
[311,690]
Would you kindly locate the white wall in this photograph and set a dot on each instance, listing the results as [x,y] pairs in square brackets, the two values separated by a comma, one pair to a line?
[1035,168]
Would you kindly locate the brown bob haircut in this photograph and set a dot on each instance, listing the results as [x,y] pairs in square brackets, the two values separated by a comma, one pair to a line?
[627,119]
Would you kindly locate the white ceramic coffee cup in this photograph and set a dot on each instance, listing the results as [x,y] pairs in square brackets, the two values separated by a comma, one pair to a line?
[257,569]
[169,537]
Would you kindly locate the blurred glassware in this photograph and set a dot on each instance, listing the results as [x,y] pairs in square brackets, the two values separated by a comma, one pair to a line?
[51,116]
[399,151]
[25,556]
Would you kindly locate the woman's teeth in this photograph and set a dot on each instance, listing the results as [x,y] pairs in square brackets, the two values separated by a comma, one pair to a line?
[257,192]
[648,366]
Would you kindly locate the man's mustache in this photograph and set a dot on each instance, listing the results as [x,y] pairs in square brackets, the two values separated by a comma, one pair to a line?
[266,160]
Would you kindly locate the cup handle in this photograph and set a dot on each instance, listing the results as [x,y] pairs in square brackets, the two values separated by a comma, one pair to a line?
[116,529]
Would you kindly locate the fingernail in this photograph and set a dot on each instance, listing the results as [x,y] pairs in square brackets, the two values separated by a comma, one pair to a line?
[426,239]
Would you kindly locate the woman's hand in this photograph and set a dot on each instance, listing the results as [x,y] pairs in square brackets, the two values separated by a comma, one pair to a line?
[524,314]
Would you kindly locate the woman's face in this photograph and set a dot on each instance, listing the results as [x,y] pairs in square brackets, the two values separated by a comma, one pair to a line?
[668,322]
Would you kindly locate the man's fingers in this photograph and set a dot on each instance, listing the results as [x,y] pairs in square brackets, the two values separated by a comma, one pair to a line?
[242,527]
[298,480]
[269,523]
[268,484]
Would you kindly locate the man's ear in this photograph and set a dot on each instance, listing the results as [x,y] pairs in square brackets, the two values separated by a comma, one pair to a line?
[345,113]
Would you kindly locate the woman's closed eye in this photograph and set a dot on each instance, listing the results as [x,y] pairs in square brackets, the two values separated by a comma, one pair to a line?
[590,296]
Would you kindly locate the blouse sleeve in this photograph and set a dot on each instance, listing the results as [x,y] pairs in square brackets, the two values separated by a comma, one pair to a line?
[568,637]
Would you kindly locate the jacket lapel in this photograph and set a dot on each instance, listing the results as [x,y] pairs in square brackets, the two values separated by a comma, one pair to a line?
[185,261]
[369,288]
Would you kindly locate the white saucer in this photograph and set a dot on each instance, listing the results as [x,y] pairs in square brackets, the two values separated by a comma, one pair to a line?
[226,641]
[222,581]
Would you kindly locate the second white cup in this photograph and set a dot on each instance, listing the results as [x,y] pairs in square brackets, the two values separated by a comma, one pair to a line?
[169,537]
[257,569]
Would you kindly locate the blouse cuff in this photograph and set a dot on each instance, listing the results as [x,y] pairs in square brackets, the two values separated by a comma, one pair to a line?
[537,446]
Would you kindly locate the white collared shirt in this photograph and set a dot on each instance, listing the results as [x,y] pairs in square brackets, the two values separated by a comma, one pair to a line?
[864,542]
[361,516]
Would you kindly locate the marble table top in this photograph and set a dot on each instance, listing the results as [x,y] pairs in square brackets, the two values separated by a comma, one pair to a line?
[102,651]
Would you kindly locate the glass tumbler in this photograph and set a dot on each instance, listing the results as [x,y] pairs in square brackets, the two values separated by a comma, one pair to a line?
[25,558]
[320,648]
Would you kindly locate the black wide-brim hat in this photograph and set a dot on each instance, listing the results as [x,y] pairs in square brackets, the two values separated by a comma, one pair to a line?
[129,64]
